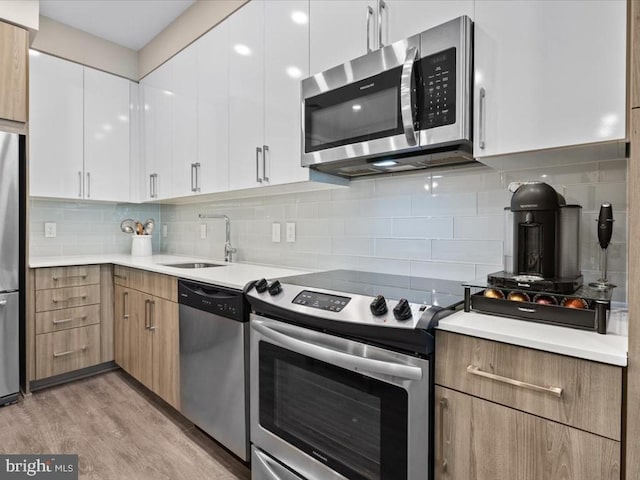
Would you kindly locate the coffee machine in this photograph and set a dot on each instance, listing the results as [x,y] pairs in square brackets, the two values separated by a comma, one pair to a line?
[542,241]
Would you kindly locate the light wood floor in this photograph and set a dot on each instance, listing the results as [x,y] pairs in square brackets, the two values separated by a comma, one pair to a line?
[118,429]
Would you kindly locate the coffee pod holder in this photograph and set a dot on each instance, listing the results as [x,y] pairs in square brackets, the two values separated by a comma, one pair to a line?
[593,316]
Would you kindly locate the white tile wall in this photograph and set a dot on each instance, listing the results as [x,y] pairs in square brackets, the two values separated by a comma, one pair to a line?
[447,224]
[85,227]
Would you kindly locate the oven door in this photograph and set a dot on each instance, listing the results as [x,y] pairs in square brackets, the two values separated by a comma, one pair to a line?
[363,108]
[332,408]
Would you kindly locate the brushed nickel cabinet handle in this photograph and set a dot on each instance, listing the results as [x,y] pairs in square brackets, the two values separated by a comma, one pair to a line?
[125,298]
[555,391]
[70,352]
[444,404]
[481,118]
[79,297]
[56,278]
[369,17]
[147,322]
[88,184]
[79,184]
[67,320]
[265,149]
[258,177]
[381,7]
[152,311]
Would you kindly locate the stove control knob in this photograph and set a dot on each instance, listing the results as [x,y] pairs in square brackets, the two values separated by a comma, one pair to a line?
[275,288]
[261,285]
[378,306]
[402,311]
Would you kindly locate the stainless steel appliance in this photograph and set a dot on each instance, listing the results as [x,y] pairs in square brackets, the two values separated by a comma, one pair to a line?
[11,252]
[213,362]
[402,107]
[342,377]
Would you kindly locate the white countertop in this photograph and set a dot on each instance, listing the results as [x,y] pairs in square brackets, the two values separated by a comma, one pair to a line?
[232,275]
[610,348]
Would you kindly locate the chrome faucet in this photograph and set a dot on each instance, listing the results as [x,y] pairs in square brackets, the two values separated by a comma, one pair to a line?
[228,249]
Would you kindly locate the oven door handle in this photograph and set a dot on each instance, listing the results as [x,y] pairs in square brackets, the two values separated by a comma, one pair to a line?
[335,357]
[406,96]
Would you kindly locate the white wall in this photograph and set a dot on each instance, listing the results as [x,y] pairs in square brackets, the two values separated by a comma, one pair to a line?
[23,13]
[440,224]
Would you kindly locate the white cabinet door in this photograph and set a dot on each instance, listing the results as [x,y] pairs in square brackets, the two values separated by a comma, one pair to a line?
[286,63]
[158,132]
[338,31]
[55,127]
[106,136]
[553,74]
[213,110]
[246,96]
[184,86]
[403,18]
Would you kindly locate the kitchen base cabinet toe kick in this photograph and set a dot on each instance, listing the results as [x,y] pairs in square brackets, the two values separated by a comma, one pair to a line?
[504,412]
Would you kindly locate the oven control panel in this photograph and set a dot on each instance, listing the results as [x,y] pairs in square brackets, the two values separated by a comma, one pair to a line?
[323,301]
[439,101]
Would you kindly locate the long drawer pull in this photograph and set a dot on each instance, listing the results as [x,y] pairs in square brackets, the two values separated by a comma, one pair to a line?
[555,391]
[67,320]
[69,352]
[55,279]
[123,277]
[79,297]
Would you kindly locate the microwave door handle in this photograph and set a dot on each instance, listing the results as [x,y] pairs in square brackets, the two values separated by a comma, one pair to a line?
[341,359]
[406,96]
[369,17]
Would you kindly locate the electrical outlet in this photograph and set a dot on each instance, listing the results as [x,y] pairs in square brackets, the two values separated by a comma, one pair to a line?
[164,231]
[275,232]
[50,229]
[291,232]
[203,231]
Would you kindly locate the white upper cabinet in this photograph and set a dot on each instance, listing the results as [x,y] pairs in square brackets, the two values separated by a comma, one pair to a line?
[402,18]
[548,74]
[340,31]
[212,175]
[106,136]
[246,96]
[55,127]
[78,131]
[184,95]
[286,64]
[157,133]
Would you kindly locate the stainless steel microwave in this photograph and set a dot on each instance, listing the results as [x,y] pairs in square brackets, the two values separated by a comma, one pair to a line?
[402,107]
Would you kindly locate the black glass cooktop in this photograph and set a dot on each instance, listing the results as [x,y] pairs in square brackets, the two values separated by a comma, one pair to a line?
[427,291]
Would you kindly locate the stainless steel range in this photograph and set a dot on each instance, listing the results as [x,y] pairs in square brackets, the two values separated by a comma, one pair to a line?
[341,374]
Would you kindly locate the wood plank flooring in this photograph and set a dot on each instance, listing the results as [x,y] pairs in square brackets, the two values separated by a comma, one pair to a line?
[118,429]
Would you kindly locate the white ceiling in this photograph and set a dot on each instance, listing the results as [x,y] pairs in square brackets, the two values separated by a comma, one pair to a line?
[130,23]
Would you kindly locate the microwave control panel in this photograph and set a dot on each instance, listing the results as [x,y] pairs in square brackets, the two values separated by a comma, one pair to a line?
[439,102]
[323,301]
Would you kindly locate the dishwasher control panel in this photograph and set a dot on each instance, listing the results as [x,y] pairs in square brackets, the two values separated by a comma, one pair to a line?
[214,299]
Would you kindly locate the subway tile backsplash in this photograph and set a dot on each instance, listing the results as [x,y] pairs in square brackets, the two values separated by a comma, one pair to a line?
[446,224]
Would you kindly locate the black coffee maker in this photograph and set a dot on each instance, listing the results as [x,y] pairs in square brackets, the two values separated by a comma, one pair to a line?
[542,241]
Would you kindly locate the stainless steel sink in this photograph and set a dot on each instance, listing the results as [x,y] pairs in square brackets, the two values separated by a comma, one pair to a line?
[193,265]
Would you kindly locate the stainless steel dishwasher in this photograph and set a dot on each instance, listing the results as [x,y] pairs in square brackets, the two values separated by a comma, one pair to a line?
[214,334]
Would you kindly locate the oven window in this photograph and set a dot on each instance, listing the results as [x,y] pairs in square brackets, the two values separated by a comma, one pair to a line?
[354,424]
[357,112]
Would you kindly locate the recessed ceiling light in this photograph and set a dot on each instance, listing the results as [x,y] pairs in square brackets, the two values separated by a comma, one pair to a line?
[299,17]
[356,107]
[168,92]
[242,49]
[294,72]
[107,127]
[123,118]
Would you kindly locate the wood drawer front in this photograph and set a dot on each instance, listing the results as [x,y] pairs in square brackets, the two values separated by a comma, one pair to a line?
[59,298]
[591,397]
[480,440]
[156,284]
[121,275]
[59,277]
[68,350]
[56,320]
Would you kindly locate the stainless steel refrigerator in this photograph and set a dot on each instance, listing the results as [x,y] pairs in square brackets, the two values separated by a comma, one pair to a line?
[11,156]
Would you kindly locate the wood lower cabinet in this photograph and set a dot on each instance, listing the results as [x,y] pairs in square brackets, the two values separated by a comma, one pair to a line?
[70,319]
[504,412]
[480,440]
[146,334]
